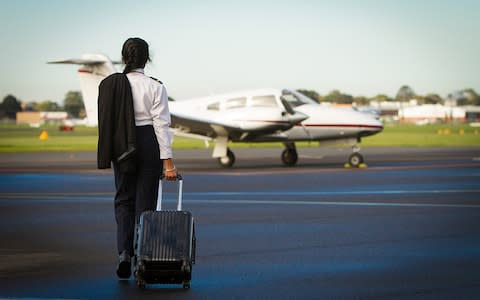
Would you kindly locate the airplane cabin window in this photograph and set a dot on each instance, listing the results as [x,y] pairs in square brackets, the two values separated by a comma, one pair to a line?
[235,103]
[268,101]
[214,106]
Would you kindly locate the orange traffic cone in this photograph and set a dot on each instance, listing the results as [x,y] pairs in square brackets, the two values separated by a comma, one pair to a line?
[44,135]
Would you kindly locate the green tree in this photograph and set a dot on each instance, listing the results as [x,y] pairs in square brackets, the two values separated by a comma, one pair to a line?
[472,97]
[310,94]
[360,100]
[433,99]
[10,106]
[73,104]
[336,96]
[382,97]
[465,97]
[462,101]
[47,105]
[405,94]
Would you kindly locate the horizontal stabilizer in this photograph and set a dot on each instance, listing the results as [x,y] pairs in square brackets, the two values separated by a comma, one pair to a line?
[81,61]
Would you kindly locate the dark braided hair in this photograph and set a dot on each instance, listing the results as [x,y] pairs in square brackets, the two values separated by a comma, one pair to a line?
[134,54]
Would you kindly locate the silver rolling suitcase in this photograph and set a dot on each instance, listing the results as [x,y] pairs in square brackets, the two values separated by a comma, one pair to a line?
[165,244]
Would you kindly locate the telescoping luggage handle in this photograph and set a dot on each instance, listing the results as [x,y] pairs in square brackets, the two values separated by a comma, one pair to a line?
[160,193]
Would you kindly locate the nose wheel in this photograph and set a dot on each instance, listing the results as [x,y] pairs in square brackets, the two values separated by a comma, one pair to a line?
[228,160]
[355,160]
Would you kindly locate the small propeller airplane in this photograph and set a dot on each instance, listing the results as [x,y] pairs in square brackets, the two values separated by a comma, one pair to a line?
[255,116]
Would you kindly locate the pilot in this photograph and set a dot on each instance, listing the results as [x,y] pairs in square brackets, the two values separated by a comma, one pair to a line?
[134,136]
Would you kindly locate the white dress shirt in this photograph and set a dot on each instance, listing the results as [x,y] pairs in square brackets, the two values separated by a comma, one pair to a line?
[150,103]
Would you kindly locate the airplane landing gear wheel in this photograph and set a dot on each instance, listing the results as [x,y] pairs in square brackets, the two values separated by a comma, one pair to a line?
[355,159]
[289,157]
[227,161]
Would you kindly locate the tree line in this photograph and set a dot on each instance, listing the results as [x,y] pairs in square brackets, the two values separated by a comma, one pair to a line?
[405,93]
[72,104]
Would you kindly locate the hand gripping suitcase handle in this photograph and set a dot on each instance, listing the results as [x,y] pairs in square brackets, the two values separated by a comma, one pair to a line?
[160,193]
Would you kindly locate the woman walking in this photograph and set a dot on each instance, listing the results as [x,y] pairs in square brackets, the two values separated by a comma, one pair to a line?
[135,138]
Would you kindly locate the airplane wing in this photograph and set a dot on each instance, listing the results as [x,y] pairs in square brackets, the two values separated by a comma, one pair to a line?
[198,126]
[236,124]
[240,131]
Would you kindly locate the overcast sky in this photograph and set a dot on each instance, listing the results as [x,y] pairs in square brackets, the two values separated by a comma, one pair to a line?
[362,47]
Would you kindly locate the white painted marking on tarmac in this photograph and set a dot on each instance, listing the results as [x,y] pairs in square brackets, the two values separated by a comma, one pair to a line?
[334,193]
[56,198]
[312,156]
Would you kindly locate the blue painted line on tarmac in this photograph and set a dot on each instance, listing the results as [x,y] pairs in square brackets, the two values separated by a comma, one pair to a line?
[260,193]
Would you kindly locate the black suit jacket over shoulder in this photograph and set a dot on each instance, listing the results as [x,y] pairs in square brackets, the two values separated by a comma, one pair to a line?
[116,123]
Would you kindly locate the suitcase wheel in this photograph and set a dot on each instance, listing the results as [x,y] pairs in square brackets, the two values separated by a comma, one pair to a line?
[141,283]
[140,269]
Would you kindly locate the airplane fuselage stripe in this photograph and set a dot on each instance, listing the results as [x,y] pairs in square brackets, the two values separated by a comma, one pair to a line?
[318,125]
[342,125]
[265,121]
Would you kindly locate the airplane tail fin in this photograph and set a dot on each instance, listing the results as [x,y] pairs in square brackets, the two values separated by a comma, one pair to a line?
[94,68]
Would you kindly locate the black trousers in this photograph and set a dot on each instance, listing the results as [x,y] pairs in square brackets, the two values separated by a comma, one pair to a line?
[137,192]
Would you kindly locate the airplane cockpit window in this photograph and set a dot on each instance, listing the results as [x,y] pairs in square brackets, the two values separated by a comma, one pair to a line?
[267,101]
[214,106]
[292,100]
[295,98]
[235,103]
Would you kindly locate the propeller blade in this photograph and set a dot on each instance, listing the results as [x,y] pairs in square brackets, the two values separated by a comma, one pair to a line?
[288,107]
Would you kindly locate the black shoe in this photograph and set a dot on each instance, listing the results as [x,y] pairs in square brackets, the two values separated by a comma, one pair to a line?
[124,265]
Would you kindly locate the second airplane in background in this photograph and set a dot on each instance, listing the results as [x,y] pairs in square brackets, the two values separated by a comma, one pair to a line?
[266,115]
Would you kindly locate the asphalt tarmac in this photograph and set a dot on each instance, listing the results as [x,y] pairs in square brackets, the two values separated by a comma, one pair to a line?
[405,227]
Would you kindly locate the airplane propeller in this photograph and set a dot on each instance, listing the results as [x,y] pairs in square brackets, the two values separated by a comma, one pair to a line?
[288,107]
[294,116]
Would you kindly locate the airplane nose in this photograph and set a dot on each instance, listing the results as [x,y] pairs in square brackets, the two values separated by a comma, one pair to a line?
[375,127]
[379,125]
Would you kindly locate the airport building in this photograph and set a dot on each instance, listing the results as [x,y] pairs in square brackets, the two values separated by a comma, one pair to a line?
[431,113]
[34,118]
[411,112]
[472,113]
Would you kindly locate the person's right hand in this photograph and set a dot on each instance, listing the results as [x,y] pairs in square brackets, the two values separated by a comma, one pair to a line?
[170,175]
[169,170]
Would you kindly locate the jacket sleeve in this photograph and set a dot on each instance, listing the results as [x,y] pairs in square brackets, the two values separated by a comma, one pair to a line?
[105,125]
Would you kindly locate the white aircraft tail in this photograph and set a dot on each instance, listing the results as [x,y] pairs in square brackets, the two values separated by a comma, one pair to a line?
[94,68]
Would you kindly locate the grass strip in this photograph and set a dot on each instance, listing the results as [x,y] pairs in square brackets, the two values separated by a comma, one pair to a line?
[17,138]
